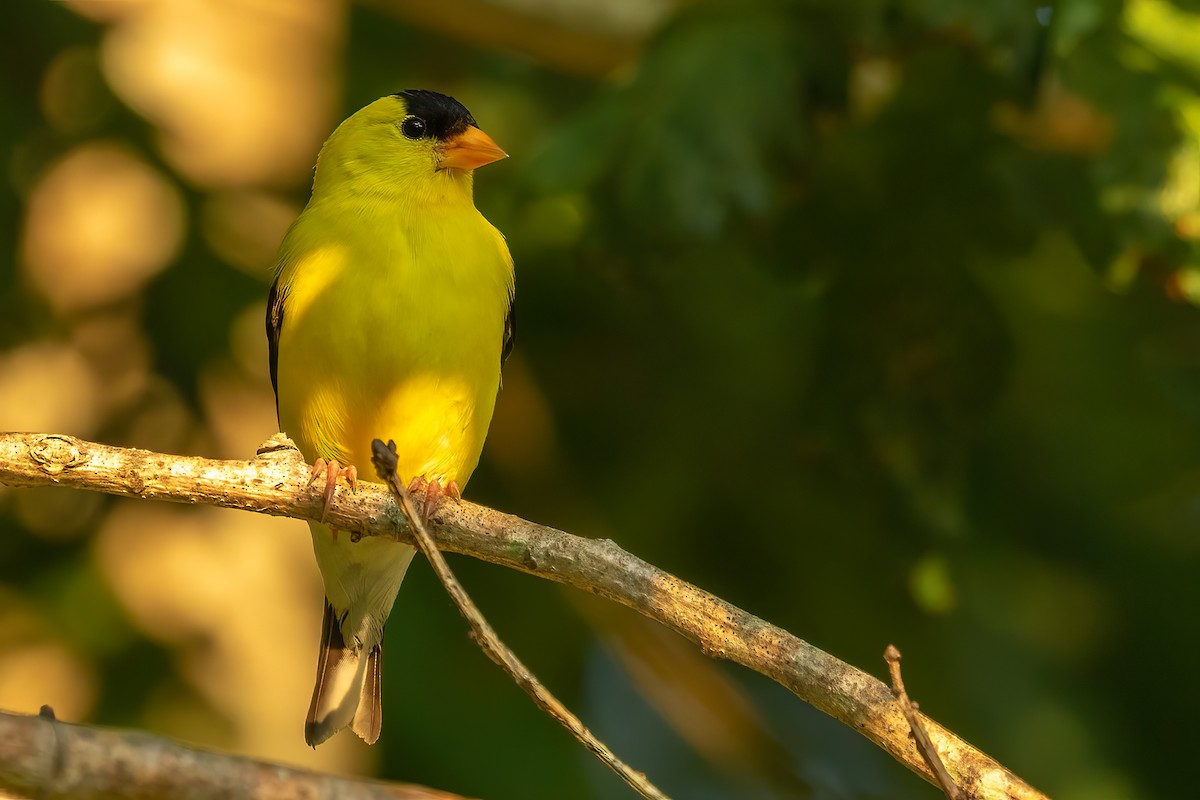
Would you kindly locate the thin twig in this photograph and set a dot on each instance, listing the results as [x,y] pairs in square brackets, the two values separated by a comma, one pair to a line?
[892,656]
[52,760]
[276,483]
[383,456]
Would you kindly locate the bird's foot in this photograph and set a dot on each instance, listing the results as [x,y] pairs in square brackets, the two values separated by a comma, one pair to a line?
[432,493]
[332,471]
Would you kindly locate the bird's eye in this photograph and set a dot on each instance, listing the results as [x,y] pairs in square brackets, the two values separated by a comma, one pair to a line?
[413,127]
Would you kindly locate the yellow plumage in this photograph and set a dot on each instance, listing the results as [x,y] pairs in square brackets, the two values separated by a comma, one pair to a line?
[391,307]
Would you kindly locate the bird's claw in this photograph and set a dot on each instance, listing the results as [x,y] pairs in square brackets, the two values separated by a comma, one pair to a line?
[332,471]
[432,493]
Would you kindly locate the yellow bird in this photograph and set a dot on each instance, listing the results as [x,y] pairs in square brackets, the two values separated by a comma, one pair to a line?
[390,317]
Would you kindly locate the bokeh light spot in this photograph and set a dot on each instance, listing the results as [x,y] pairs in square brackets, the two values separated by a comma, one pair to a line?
[245,228]
[932,585]
[45,673]
[47,387]
[74,98]
[242,91]
[99,225]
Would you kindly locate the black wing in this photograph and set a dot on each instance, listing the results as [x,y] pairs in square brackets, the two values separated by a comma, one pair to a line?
[510,332]
[275,303]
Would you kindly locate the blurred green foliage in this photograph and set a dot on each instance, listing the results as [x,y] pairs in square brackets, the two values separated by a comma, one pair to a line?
[870,317]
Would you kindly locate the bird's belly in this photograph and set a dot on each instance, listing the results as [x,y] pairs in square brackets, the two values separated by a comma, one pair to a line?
[437,419]
[420,368]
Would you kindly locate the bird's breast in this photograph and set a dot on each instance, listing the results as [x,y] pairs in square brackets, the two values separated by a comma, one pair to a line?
[395,335]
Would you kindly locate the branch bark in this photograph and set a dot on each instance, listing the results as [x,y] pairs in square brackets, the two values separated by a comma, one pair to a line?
[383,456]
[44,758]
[276,483]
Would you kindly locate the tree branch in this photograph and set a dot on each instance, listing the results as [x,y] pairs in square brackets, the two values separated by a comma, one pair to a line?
[384,459]
[892,656]
[44,758]
[276,483]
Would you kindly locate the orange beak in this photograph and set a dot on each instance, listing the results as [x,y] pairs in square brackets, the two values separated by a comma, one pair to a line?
[470,149]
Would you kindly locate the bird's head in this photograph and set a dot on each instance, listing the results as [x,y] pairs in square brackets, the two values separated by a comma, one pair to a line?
[417,143]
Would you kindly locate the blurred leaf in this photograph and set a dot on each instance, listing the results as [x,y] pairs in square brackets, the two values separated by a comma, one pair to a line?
[701,131]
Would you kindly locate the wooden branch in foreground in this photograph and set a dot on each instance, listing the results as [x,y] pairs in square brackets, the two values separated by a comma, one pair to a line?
[276,483]
[47,759]
[384,458]
[892,656]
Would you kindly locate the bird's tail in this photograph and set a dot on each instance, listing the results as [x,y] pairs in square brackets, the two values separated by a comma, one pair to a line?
[347,692]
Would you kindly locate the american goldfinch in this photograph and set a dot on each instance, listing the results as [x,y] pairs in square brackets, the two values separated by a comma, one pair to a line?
[390,317]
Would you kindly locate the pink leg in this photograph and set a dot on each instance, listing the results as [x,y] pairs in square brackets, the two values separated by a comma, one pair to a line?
[332,471]
[432,493]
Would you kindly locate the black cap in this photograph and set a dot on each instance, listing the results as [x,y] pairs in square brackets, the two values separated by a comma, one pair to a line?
[444,116]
